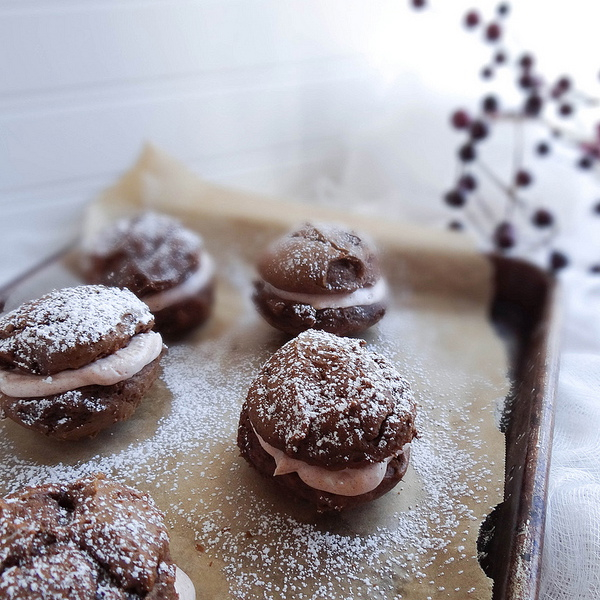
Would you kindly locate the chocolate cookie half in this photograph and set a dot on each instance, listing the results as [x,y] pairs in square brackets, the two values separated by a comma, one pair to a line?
[77,360]
[321,276]
[161,262]
[329,421]
[93,538]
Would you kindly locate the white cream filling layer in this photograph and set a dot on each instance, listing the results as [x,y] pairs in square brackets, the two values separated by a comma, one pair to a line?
[362,297]
[184,586]
[191,286]
[122,364]
[345,482]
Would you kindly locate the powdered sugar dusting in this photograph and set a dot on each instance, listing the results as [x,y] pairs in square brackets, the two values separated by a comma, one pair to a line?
[318,383]
[67,318]
[98,538]
[235,534]
[159,246]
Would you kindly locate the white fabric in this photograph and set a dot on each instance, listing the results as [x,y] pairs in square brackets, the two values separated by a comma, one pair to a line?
[571,560]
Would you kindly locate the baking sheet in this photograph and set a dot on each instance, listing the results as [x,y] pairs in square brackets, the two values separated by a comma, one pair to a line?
[231,531]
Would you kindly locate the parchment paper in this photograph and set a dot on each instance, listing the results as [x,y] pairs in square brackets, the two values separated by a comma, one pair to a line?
[232,531]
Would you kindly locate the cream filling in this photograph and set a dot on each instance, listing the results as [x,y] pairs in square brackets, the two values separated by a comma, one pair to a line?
[362,297]
[184,586]
[122,364]
[345,482]
[191,286]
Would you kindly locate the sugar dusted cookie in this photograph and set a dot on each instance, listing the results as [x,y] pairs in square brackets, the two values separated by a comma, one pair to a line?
[93,538]
[329,421]
[161,262]
[77,360]
[321,276]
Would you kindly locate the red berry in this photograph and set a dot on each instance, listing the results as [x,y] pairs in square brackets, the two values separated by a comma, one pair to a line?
[505,235]
[565,110]
[490,104]
[542,149]
[503,9]
[526,61]
[500,57]
[487,73]
[563,84]
[493,32]
[542,218]
[526,81]
[558,261]
[472,19]
[478,130]
[467,153]
[467,182]
[533,105]
[460,119]
[455,199]
[523,178]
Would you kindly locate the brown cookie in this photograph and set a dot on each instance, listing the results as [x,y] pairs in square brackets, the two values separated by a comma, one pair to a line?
[146,253]
[182,317]
[77,360]
[327,402]
[69,328]
[89,539]
[321,276]
[83,412]
[291,483]
[161,262]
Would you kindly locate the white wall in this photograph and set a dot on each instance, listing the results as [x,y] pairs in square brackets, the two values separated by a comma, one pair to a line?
[257,93]
[271,95]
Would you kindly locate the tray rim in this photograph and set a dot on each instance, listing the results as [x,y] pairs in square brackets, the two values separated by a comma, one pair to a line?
[516,568]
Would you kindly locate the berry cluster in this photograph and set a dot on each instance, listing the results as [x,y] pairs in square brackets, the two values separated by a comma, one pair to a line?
[522,226]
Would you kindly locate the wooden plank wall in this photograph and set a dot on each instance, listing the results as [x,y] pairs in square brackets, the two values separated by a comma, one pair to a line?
[256,93]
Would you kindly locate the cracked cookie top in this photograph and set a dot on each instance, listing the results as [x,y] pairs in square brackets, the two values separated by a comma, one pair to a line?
[319,259]
[147,253]
[330,402]
[92,538]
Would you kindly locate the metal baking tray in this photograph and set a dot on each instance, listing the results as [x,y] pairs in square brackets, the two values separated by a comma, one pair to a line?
[524,311]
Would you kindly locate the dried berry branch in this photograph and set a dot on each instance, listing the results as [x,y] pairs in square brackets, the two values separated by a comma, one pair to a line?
[522,227]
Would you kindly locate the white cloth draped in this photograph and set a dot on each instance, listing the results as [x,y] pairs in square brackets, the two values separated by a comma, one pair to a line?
[571,560]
